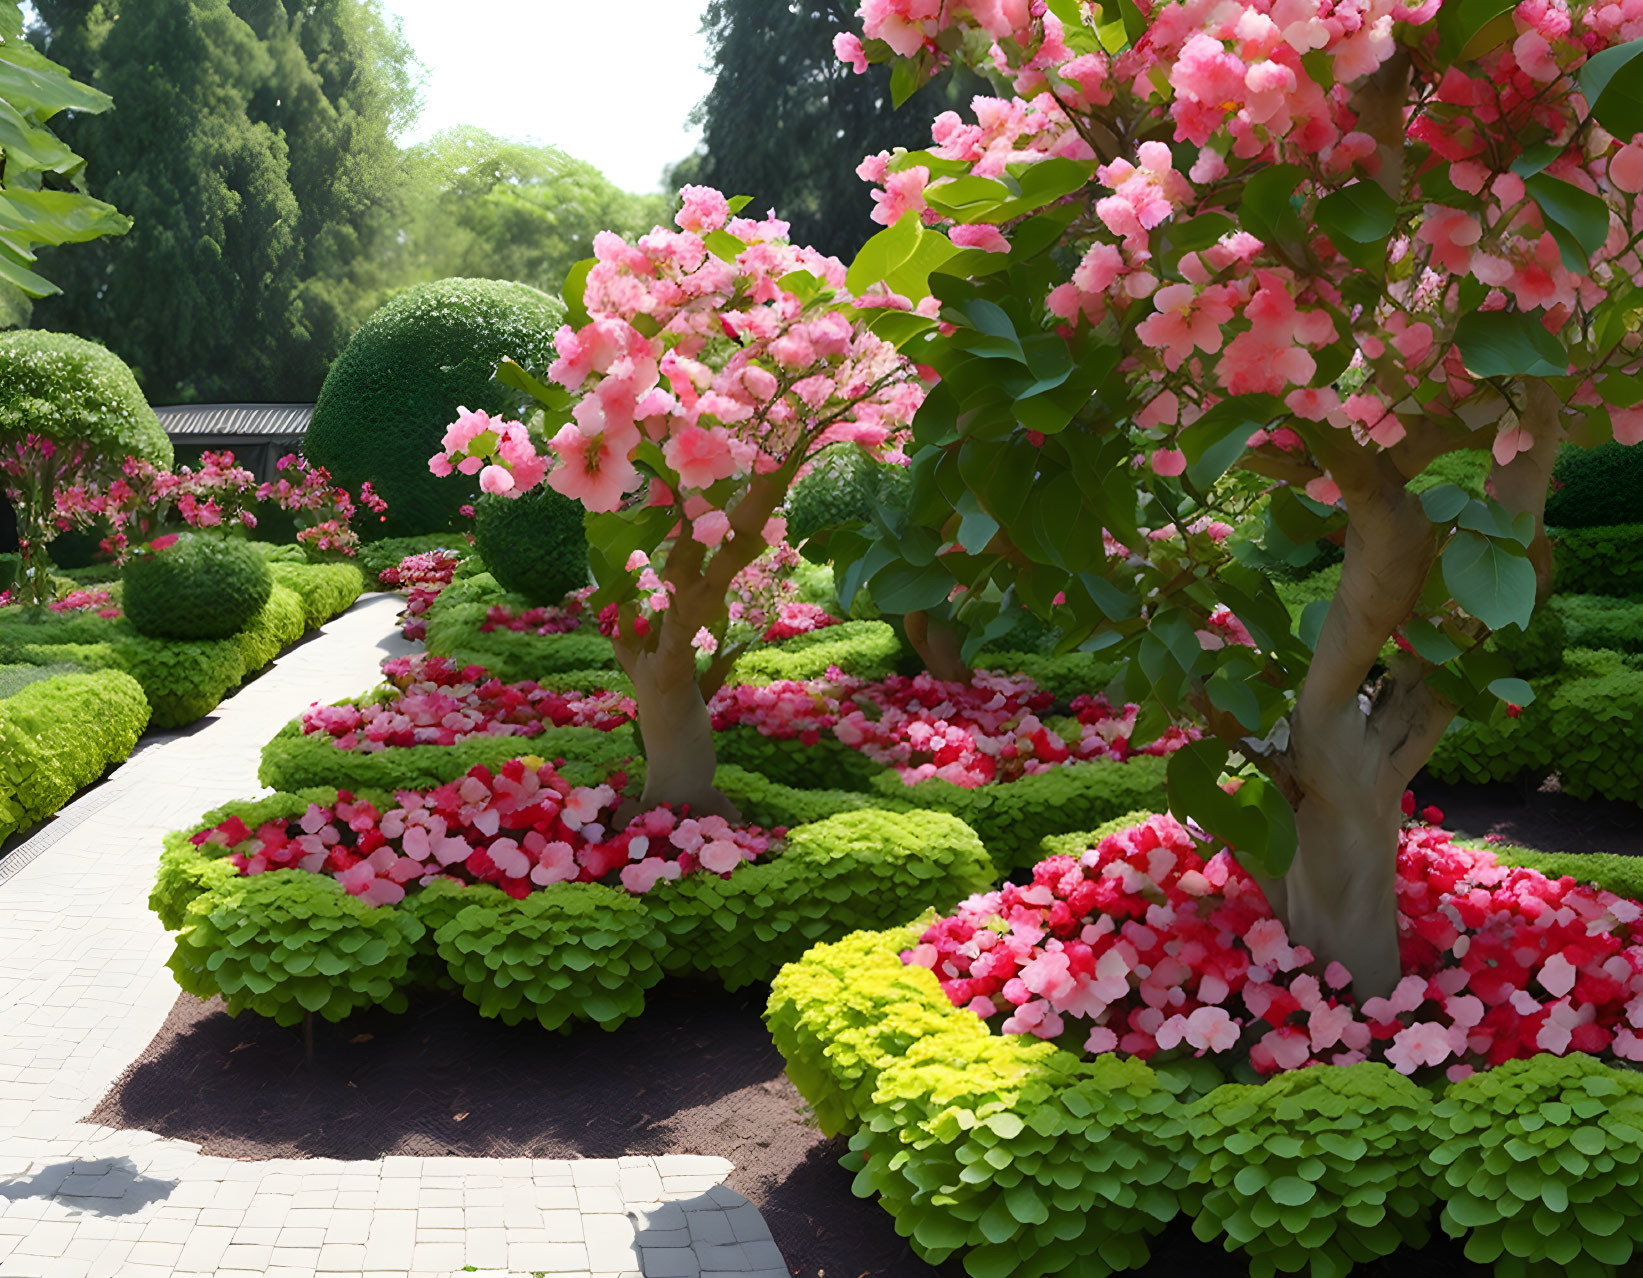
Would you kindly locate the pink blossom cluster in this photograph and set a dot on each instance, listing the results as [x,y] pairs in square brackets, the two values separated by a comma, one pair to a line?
[436,702]
[562,619]
[475,435]
[992,729]
[764,597]
[1143,946]
[521,828]
[797,618]
[429,568]
[323,508]
[99,601]
[1236,88]
[413,618]
[144,497]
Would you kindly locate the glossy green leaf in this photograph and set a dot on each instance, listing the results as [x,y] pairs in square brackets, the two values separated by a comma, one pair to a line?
[31,81]
[1494,585]
[1469,28]
[1267,211]
[1217,439]
[575,293]
[1513,690]
[1444,502]
[1612,82]
[1509,344]
[1578,220]
[1361,213]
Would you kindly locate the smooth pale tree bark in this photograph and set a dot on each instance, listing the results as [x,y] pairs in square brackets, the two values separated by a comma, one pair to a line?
[1352,751]
[938,647]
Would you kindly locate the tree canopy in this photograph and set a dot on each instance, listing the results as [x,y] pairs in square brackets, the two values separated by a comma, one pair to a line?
[255,152]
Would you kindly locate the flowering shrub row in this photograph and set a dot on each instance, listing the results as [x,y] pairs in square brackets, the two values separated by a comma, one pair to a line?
[520,828]
[1141,946]
[988,730]
[437,702]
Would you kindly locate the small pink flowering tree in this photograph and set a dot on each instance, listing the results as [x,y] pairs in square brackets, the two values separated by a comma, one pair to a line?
[32,470]
[705,367]
[1313,243]
[144,497]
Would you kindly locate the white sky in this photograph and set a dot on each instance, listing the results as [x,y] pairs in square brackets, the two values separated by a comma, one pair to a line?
[610,82]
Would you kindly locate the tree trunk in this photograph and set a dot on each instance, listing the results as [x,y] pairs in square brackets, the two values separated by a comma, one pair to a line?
[680,758]
[937,646]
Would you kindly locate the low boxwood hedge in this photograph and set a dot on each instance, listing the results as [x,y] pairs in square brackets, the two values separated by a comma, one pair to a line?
[1603,560]
[1024,1158]
[287,943]
[58,735]
[510,655]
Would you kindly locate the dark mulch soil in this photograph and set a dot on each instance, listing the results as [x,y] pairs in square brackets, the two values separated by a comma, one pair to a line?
[695,1074]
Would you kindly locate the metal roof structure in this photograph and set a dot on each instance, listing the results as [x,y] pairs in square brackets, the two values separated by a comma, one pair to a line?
[239,420]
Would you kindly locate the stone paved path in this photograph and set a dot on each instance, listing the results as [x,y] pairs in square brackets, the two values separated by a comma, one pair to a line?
[83,989]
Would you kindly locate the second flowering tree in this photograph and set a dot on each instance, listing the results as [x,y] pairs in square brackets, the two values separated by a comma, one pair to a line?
[704,366]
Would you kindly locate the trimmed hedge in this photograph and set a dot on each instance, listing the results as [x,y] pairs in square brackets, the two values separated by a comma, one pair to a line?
[1601,621]
[60,734]
[510,655]
[533,544]
[182,679]
[201,586]
[828,764]
[843,485]
[71,390]
[866,649]
[1066,675]
[1593,487]
[375,557]
[287,943]
[1602,560]
[398,384]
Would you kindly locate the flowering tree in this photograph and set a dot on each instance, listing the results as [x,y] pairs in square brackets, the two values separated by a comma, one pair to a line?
[705,367]
[145,496]
[31,470]
[324,509]
[1316,245]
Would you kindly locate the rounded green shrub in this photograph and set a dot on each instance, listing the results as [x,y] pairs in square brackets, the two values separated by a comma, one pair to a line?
[398,384]
[533,544]
[1606,559]
[199,587]
[1540,1164]
[1592,487]
[1339,1181]
[842,486]
[1601,621]
[1538,650]
[74,391]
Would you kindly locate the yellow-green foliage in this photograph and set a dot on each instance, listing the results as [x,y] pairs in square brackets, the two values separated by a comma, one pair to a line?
[1599,561]
[1066,675]
[1022,1156]
[1541,1161]
[71,390]
[1313,1171]
[60,734]
[294,759]
[1013,816]
[1600,621]
[572,952]
[325,589]
[510,655]
[279,625]
[866,649]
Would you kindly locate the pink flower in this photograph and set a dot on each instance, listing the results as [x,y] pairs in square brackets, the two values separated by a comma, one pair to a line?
[847,49]
[701,457]
[704,642]
[496,479]
[711,528]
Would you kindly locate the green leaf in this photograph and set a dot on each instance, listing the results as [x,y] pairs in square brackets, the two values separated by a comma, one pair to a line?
[1217,439]
[1358,214]
[1267,211]
[32,82]
[1494,585]
[511,373]
[575,291]
[1256,821]
[1509,344]
[900,257]
[902,588]
[59,217]
[1312,622]
[1578,221]
[1513,691]
[1444,502]
[1470,28]
[1430,642]
[1612,81]
[14,273]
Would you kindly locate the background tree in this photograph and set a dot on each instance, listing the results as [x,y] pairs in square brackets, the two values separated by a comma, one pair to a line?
[256,154]
[479,206]
[787,123]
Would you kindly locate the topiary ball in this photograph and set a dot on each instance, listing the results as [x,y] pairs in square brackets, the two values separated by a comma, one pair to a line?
[842,486]
[534,543]
[387,400]
[74,391]
[1594,487]
[196,587]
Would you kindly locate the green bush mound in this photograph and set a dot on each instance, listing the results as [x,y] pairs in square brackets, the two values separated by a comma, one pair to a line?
[1013,817]
[533,544]
[326,590]
[1592,487]
[74,391]
[60,734]
[866,649]
[14,678]
[202,586]
[288,943]
[1339,1181]
[375,557]
[829,764]
[1601,560]
[293,759]
[1025,1158]
[182,679]
[1601,621]
[843,485]
[398,384]
[1066,674]
[510,655]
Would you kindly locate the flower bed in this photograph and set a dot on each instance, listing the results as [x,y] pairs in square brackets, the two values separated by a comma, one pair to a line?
[517,926]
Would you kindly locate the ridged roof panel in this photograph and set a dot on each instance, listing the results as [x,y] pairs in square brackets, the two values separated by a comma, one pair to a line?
[235,419]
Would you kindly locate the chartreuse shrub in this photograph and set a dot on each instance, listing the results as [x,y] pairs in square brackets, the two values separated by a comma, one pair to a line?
[1024,1157]
[1011,818]
[278,625]
[1600,621]
[454,623]
[1537,651]
[1601,560]
[866,649]
[534,543]
[58,735]
[294,759]
[1315,1170]
[1499,748]
[326,590]
[201,586]
[74,391]
[1540,1164]
[287,942]
[1622,875]
[1066,674]
[400,380]
[1595,725]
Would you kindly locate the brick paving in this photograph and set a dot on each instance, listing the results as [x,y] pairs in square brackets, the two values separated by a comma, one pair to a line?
[84,988]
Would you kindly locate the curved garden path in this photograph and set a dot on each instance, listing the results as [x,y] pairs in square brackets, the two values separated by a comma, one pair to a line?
[84,988]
